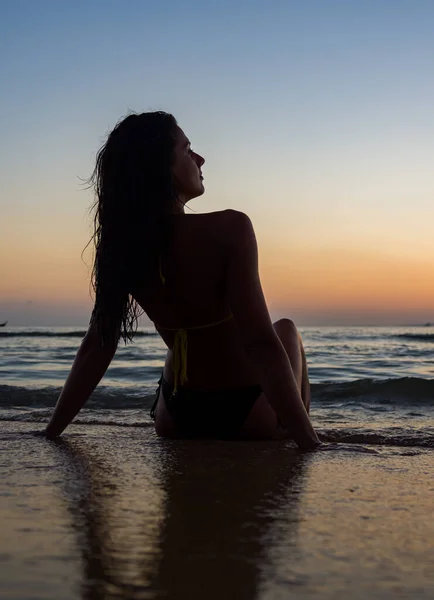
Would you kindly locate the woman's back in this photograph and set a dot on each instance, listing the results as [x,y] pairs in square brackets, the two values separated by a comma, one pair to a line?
[191,294]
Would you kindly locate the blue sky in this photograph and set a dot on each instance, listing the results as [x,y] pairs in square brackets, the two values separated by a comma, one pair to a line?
[315,117]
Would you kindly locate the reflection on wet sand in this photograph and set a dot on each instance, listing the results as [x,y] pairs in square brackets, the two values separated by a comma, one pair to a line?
[221,504]
[199,522]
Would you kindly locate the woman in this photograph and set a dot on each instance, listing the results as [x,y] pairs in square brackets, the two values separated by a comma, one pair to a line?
[196,277]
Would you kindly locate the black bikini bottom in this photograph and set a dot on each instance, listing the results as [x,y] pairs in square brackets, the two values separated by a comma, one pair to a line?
[208,414]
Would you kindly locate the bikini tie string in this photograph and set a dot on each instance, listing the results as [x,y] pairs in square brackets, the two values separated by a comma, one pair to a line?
[180,358]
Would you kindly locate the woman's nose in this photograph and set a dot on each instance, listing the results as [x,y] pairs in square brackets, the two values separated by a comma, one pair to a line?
[200,160]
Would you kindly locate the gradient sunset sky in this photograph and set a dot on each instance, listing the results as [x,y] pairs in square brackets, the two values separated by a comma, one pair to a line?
[316,118]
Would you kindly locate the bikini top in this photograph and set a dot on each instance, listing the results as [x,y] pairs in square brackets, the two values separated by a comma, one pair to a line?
[180,343]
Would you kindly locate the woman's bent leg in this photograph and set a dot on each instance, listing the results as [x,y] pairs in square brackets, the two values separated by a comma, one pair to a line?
[262,421]
[292,342]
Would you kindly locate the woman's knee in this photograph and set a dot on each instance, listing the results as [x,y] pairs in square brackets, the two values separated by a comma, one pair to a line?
[286,327]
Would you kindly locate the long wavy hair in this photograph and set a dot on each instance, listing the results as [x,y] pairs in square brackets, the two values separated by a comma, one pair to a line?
[134,190]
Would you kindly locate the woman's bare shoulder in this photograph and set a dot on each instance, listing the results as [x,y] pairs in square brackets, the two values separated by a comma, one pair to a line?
[226,230]
[228,214]
[229,229]
[223,219]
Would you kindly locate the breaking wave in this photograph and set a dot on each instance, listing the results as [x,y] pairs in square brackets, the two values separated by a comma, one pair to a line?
[404,391]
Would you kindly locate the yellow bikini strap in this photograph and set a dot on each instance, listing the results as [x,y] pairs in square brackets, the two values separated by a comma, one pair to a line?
[228,318]
[180,358]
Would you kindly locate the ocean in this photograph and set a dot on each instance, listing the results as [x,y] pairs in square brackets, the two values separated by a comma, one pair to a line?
[370,385]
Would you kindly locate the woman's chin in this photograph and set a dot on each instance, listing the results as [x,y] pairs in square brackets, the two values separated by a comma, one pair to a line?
[198,191]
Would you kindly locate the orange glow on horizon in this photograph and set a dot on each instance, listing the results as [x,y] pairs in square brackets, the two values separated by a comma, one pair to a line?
[334,279]
[309,281]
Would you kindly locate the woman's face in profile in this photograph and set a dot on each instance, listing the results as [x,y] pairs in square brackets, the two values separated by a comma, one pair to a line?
[186,169]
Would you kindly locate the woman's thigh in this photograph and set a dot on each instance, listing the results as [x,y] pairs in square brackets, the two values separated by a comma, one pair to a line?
[262,422]
[164,424]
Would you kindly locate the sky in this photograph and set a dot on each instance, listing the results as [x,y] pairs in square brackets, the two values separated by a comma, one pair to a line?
[315,118]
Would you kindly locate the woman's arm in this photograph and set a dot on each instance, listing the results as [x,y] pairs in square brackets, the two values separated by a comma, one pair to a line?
[261,343]
[90,364]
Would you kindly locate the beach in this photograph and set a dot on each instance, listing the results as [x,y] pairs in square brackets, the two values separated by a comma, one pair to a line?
[108,512]
[206,168]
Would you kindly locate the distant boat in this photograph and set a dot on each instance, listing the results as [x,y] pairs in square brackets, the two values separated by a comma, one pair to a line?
[3,324]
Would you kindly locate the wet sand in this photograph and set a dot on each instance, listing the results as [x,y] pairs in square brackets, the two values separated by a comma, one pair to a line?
[109,512]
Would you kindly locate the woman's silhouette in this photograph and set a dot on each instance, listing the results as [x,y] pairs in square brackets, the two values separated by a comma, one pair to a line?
[229,372]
